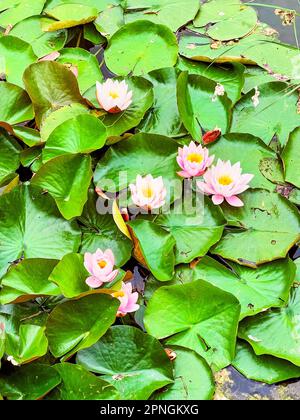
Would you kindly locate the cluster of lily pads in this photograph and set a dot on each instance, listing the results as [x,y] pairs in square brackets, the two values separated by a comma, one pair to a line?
[112,112]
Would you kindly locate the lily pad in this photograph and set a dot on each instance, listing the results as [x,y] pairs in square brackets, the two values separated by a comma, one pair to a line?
[28,279]
[291,158]
[268,226]
[149,41]
[83,133]
[51,86]
[69,15]
[110,20]
[30,382]
[15,104]
[67,178]
[199,107]
[78,324]
[79,384]
[276,332]
[10,157]
[207,325]
[173,14]
[195,383]
[267,369]
[144,366]
[20,10]
[36,231]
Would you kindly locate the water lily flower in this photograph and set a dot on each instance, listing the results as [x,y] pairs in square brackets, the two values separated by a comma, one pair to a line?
[194,160]
[50,57]
[148,193]
[224,182]
[128,299]
[113,96]
[212,136]
[101,267]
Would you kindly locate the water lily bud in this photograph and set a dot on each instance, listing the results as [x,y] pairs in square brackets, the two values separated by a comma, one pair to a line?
[224,182]
[212,136]
[194,160]
[101,267]
[113,96]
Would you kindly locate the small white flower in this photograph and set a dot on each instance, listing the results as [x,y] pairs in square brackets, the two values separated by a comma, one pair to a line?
[12,361]
[255,97]
[219,91]
[113,96]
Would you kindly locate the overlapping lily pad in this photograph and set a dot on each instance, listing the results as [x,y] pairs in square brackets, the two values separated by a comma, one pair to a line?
[291,158]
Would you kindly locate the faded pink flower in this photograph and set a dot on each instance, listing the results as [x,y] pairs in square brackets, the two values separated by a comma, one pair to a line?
[113,96]
[194,160]
[50,57]
[219,91]
[148,193]
[128,300]
[101,267]
[225,181]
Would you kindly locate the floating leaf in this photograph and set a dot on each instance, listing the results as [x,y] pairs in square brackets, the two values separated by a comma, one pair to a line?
[69,15]
[122,59]
[67,178]
[268,225]
[194,383]
[276,332]
[20,10]
[10,157]
[291,158]
[78,324]
[15,104]
[207,324]
[36,231]
[28,279]
[143,368]
[265,369]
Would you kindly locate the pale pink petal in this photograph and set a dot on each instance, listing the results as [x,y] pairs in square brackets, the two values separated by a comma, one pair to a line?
[93,282]
[217,199]
[234,201]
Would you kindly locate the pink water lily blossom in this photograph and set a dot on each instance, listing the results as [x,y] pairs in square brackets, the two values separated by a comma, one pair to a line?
[224,182]
[101,267]
[50,57]
[113,96]
[193,160]
[148,193]
[128,300]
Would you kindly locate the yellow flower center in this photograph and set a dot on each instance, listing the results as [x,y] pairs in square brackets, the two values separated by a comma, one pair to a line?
[195,158]
[225,180]
[114,95]
[118,294]
[102,264]
[148,192]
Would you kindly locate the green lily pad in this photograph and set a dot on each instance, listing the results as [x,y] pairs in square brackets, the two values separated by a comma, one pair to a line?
[20,10]
[267,369]
[36,231]
[86,63]
[230,20]
[100,231]
[15,104]
[291,158]
[30,382]
[69,15]
[51,86]
[207,324]
[79,384]
[174,14]
[195,231]
[163,118]
[78,324]
[10,157]
[110,20]
[199,108]
[15,56]
[254,156]
[143,368]
[159,159]
[83,133]
[275,114]
[28,344]
[230,76]
[268,225]
[277,331]
[157,248]
[195,383]
[122,59]
[43,43]
[99,5]
[67,178]
[27,279]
